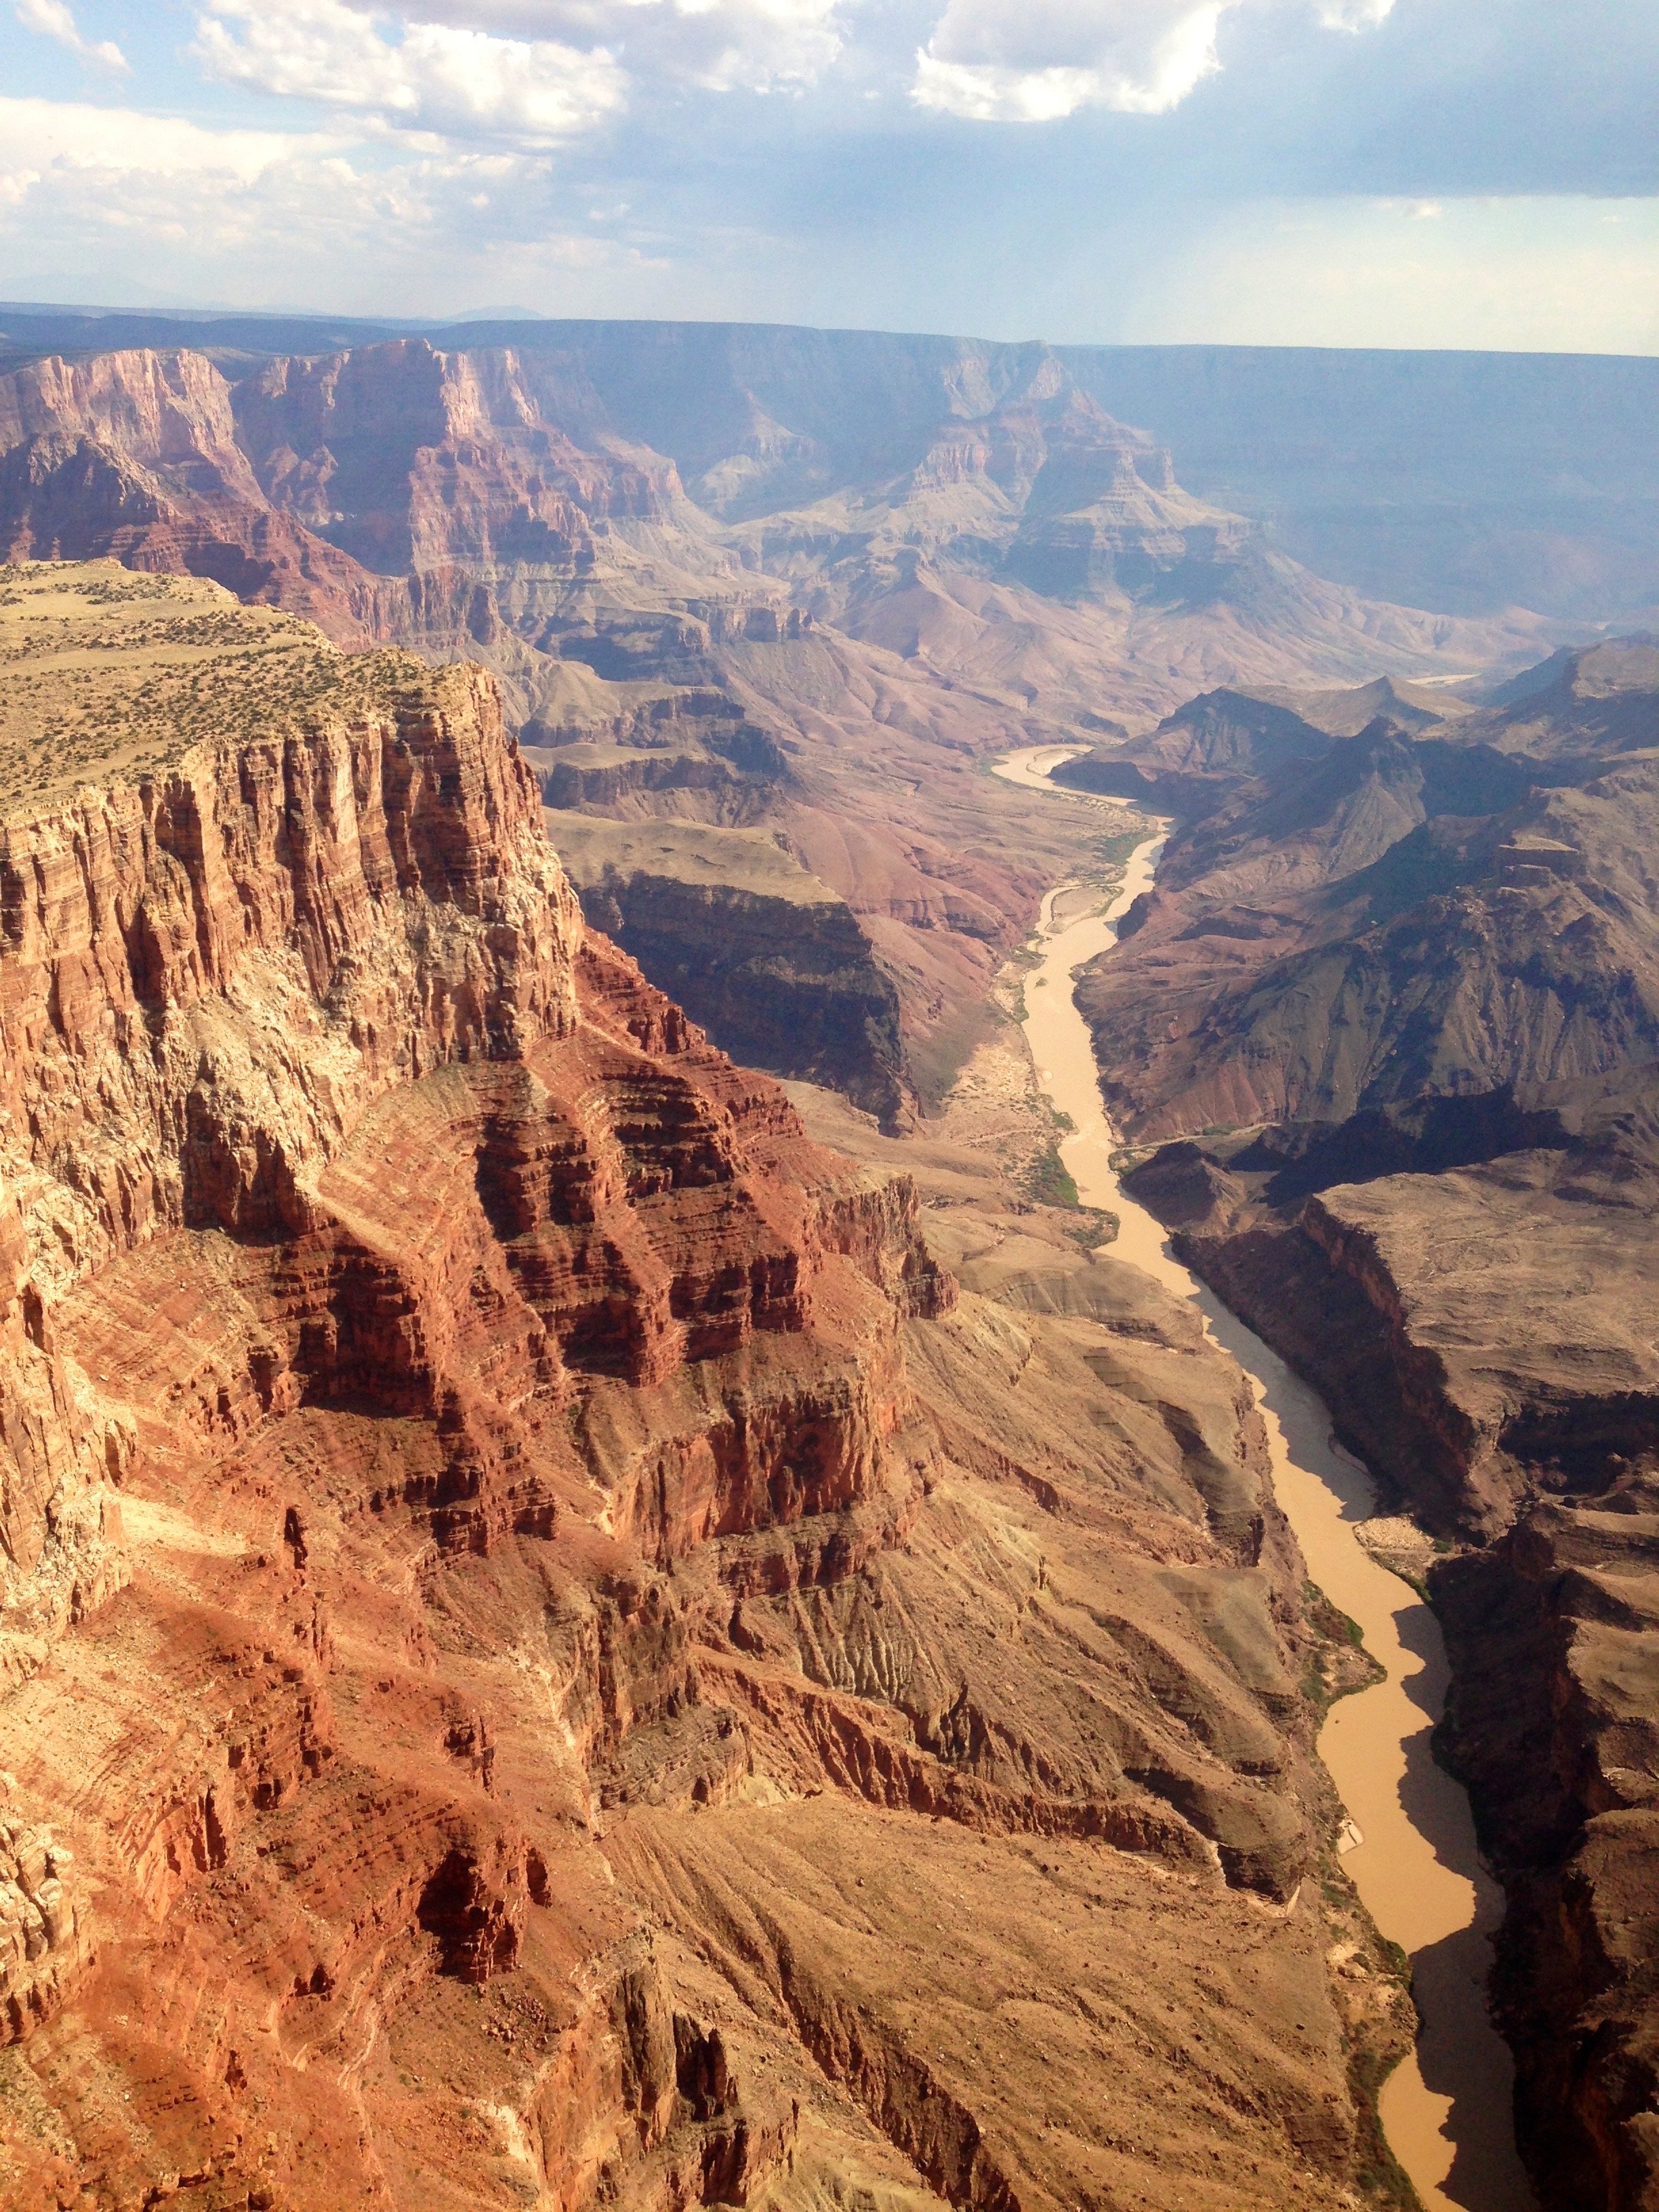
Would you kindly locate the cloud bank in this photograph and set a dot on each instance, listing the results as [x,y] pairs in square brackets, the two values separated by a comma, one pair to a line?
[1000,61]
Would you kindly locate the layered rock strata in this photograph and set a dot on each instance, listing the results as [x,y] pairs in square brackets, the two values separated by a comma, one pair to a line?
[527,1589]
[1485,1336]
[932,551]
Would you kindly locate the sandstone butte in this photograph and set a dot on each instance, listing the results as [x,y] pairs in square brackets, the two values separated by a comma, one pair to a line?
[550,1656]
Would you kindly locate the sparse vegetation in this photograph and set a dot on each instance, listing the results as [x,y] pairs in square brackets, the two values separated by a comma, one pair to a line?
[105,672]
[1114,852]
[1049,1182]
[1339,1664]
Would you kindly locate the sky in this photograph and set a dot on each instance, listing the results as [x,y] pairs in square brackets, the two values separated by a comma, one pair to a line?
[1395,172]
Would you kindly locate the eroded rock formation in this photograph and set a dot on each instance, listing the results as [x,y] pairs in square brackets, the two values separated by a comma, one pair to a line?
[1416,971]
[893,556]
[550,1656]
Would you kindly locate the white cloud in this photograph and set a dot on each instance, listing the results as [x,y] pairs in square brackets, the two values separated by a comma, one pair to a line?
[108,202]
[54,20]
[148,193]
[457,81]
[757,45]
[1034,61]
[70,138]
[73,171]
[1037,61]
[1353,14]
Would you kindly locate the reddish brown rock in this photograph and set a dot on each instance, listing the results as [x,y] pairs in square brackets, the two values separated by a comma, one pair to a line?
[936,551]
[583,1579]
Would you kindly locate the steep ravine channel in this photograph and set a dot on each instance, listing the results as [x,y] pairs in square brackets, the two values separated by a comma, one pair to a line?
[1446,2109]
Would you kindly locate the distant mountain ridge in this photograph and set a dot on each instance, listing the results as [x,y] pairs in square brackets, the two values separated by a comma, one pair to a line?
[1463,481]
[893,557]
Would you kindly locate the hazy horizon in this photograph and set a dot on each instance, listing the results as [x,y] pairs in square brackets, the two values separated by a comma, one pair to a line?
[192,311]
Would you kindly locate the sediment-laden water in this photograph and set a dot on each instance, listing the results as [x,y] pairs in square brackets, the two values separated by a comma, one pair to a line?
[1446,2109]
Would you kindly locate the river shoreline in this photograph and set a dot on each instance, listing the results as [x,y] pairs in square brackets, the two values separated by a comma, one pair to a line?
[1410,1847]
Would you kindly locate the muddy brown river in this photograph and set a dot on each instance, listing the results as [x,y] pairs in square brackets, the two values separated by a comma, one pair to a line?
[1410,1843]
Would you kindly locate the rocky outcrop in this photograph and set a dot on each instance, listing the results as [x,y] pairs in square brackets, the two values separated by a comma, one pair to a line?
[479,1483]
[45,1935]
[60,1550]
[134,456]
[1590,703]
[720,768]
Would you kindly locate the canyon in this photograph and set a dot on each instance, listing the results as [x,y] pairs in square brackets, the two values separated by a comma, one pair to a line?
[1466,481]
[1380,1045]
[1407,1841]
[529,1588]
[575,1482]
[890,558]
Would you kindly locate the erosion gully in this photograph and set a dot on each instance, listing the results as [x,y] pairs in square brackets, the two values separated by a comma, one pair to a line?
[1409,1841]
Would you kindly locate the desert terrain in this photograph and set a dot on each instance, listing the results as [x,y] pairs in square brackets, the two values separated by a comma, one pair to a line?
[616,1585]
[532,1592]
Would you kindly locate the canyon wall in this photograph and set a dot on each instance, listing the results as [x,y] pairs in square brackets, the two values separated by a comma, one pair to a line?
[1467,481]
[892,558]
[1395,999]
[778,982]
[526,1583]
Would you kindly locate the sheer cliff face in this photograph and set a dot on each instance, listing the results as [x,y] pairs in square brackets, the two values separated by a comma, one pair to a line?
[408,458]
[213,972]
[229,986]
[521,1584]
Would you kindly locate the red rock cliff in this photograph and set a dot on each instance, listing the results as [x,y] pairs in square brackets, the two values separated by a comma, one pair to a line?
[548,1660]
[360,1211]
